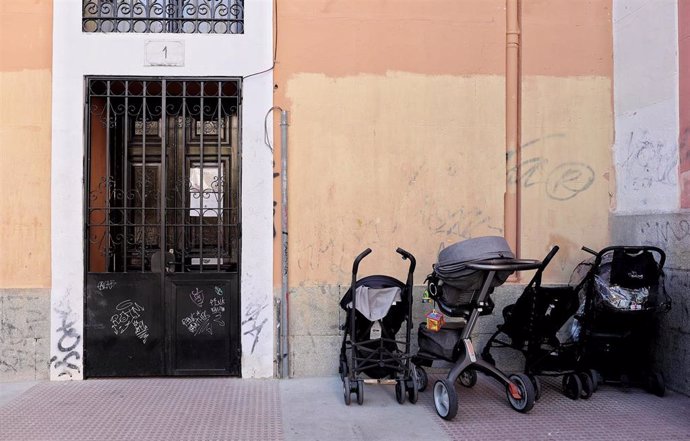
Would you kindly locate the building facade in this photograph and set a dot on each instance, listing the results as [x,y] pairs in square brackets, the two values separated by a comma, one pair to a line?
[156,203]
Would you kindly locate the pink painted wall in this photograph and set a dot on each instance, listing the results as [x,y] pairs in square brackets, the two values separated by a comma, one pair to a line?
[684,100]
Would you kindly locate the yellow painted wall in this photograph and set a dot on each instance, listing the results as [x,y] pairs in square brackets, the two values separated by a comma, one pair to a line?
[382,161]
[397,134]
[567,177]
[25,134]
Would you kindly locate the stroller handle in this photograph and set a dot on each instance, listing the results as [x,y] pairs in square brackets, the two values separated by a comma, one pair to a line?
[407,255]
[629,249]
[505,265]
[362,255]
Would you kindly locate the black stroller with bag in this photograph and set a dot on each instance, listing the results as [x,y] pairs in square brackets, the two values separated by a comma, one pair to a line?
[463,278]
[533,325]
[376,307]
[623,292]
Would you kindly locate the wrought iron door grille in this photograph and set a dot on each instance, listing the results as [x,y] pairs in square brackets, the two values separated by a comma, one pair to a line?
[162,193]
[164,16]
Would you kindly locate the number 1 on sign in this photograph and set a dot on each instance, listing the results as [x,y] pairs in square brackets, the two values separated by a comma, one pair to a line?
[165,51]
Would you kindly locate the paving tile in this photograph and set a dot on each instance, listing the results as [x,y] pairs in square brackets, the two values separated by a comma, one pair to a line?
[610,414]
[145,409]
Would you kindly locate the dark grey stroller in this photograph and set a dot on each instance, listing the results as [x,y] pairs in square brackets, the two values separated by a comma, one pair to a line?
[376,307]
[466,273]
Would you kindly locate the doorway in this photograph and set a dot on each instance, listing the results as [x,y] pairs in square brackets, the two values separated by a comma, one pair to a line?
[162,226]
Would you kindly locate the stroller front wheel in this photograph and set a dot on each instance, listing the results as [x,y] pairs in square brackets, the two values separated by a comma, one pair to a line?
[526,392]
[655,384]
[445,399]
[572,386]
[347,391]
[360,392]
[422,379]
[400,391]
[412,385]
[537,386]
[587,385]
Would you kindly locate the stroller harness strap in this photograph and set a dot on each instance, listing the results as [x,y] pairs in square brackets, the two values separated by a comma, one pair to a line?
[374,303]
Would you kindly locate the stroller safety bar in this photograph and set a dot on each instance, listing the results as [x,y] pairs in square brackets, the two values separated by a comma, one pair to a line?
[505,265]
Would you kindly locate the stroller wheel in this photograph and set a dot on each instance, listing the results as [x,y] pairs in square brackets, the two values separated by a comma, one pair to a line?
[413,386]
[587,385]
[655,384]
[468,377]
[537,386]
[594,375]
[360,392]
[445,399]
[347,391]
[572,386]
[400,391]
[422,379]
[525,402]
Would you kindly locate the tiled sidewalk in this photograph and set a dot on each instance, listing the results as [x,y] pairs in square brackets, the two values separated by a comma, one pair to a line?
[313,409]
[610,414]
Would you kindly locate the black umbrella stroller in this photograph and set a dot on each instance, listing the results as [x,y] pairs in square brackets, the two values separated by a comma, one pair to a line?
[623,291]
[533,324]
[466,273]
[370,346]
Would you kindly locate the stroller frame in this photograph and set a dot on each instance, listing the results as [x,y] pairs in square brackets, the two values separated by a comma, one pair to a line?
[370,353]
[578,382]
[593,339]
[519,390]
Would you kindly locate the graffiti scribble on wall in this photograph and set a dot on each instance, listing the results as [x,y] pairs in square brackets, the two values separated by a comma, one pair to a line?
[251,319]
[562,182]
[649,161]
[68,342]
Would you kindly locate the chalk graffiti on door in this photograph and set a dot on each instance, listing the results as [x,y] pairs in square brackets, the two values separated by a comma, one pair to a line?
[128,313]
[207,314]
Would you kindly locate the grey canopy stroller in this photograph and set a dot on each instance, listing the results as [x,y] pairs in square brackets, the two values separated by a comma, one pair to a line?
[376,307]
[463,278]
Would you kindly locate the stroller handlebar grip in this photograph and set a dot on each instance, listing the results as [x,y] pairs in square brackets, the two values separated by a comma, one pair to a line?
[589,250]
[358,259]
[506,265]
[407,255]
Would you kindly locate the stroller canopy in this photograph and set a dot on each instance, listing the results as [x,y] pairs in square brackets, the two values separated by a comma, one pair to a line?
[452,261]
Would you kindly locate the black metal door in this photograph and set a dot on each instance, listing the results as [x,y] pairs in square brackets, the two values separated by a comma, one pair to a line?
[162,227]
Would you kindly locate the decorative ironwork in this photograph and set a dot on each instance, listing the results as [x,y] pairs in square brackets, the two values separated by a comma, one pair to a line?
[162,174]
[164,16]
